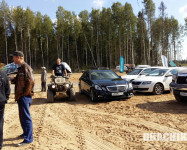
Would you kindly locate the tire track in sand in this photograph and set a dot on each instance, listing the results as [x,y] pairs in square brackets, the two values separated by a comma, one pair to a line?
[39,125]
[71,111]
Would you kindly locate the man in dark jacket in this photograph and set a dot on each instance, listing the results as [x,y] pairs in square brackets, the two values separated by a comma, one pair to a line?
[24,83]
[4,96]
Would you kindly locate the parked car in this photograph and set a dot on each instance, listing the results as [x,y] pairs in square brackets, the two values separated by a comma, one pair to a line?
[118,68]
[138,72]
[10,68]
[127,67]
[156,81]
[179,85]
[104,84]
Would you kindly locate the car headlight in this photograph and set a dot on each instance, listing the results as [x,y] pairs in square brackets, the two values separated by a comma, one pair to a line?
[146,82]
[97,87]
[130,86]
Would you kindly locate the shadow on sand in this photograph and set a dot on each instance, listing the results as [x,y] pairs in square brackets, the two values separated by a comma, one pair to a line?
[171,106]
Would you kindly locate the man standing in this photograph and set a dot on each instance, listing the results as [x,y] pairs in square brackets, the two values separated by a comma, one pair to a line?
[4,96]
[24,83]
[43,79]
[59,69]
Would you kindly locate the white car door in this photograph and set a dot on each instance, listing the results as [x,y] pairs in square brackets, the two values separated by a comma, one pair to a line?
[168,78]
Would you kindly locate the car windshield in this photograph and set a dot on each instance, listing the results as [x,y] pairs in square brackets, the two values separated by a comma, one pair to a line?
[157,72]
[148,70]
[135,72]
[103,74]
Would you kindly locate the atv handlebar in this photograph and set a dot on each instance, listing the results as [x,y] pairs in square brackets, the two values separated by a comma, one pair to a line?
[53,76]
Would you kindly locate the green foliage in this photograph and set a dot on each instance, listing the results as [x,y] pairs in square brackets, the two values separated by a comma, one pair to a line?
[96,38]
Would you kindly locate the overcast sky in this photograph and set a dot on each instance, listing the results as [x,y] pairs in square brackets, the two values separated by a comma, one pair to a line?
[176,8]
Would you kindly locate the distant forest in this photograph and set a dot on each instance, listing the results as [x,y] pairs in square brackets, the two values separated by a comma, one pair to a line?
[96,38]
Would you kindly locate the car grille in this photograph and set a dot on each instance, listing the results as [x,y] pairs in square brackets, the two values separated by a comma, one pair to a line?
[182,80]
[136,82]
[117,88]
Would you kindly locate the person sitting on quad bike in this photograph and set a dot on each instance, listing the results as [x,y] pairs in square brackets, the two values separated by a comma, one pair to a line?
[59,69]
[60,84]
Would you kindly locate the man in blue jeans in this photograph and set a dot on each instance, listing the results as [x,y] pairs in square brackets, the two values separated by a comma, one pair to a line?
[24,83]
[4,96]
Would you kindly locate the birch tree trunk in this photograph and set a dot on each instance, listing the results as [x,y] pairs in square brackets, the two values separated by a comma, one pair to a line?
[42,51]
[47,52]
[62,48]
[68,52]
[90,50]
[77,55]
[30,60]
[21,39]
[15,40]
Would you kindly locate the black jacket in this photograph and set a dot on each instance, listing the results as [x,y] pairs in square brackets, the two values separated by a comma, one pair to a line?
[4,87]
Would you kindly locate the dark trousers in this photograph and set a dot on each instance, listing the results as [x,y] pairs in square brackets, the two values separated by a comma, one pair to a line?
[25,118]
[2,108]
[43,86]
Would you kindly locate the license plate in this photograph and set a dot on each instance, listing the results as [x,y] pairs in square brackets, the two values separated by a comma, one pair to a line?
[183,93]
[135,86]
[117,94]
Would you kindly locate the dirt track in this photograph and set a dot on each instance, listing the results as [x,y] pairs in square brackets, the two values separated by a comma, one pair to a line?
[107,125]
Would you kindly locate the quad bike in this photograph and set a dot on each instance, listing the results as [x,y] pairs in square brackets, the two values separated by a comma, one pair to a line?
[60,86]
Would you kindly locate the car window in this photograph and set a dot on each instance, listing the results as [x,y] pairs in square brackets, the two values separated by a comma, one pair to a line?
[85,75]
[99,75]
[173,71]
[135,72]
[146,71]
[157,72]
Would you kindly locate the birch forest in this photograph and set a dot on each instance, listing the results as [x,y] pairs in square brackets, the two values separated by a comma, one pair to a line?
[88,39]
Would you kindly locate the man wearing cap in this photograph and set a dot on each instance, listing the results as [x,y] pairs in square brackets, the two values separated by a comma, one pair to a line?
[43,79]
[24,83]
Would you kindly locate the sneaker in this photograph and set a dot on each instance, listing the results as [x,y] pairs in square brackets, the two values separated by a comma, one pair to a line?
[22,144]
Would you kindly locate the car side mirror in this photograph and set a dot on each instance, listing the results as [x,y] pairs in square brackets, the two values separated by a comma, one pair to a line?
[168,75]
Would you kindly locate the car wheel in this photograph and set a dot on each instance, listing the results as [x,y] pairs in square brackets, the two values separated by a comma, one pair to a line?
[92,96]
[179,98]
[72,94]
[158,89]
[50,96]
[80,91]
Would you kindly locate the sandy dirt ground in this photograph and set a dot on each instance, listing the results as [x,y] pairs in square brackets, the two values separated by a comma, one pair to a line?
[106,125]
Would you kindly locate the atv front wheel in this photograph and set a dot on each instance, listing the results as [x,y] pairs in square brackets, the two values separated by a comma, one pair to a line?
[72,94]
[50,96]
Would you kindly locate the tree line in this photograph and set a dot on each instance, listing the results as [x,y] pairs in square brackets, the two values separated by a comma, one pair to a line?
[96,38]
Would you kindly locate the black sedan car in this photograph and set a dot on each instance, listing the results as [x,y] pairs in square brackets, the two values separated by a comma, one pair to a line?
[104,84]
